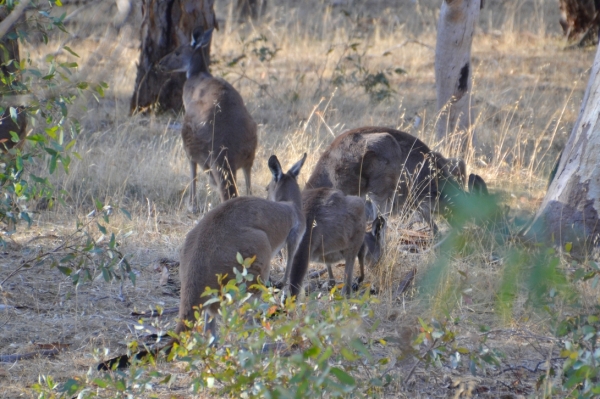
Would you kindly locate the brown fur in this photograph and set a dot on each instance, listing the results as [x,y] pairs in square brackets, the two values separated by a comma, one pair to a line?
[453,166]
[218,132]
[248,225]
[392,167]
[335,231]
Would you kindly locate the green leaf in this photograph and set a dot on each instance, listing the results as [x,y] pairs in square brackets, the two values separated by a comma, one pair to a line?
[344,377]
[14,137]
[101,228]
[106,274]
[126,213]
[100,382]
[65,270]
[70,387]
[13,114]
[120,385]
[53,163]
[239,258]
[568,247]
[71,51]
[132,277]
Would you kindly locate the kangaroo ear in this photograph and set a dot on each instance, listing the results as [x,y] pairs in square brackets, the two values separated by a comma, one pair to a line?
[370,210]
[295,169]
[477,185]
[275,168]
[200,38]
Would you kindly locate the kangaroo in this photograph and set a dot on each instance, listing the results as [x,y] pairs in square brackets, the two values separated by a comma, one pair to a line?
[218,132]
[335,226]
[249,225]
[394,168]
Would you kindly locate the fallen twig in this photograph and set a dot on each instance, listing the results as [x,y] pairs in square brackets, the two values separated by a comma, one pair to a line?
[534,370]
[155,313]
[316,274]
[30,355]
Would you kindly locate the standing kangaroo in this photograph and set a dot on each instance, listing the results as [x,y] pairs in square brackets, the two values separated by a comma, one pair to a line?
[248,225]
[335,230]
[393,167]
[218,132]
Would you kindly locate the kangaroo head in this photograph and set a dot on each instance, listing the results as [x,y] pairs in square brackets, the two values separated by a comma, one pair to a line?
[477,185]
[375,241]
[181,59]
[284,186]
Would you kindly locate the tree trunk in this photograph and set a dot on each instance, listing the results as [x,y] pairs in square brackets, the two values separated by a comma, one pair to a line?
[453,67]
[7,90]
[251,8]
[569,211]
[166,25]
[580,20]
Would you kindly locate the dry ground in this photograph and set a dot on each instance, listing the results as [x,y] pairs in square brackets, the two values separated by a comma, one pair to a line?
[527,92]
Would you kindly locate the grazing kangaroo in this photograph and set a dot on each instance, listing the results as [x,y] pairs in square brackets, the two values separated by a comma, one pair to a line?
[218,132]
[248,225]
[392,167]
[335,230]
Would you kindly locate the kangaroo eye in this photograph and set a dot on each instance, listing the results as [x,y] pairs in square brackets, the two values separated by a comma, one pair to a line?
[177,53]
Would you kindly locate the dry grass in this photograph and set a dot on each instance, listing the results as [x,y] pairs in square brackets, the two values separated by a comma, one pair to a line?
[527,92]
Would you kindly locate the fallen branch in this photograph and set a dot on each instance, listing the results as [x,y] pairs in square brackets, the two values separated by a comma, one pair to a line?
[316,274]
[13,17]
[155,313]
[534,370]
[30,355]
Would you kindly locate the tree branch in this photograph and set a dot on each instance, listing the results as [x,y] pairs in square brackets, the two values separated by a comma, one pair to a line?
[13,17]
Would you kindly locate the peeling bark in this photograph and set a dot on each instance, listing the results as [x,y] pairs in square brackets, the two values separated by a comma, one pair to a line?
[453,66]
[569,211]
[10,47]
[166,25]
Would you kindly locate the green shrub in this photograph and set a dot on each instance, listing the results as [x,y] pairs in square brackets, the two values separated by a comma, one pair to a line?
[314,349]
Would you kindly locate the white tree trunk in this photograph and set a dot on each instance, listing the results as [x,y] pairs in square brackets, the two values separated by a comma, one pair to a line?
[569,211]
[453,65]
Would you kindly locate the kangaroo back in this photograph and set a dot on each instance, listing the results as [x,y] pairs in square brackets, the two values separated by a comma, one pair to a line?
[335,226]
[391,167]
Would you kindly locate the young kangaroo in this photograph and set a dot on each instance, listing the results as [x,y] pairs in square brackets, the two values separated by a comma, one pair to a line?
[335,230]
[218,132]
[248,225]
[393,167]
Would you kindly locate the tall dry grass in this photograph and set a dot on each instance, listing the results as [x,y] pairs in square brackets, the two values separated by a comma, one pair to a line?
[526,96]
